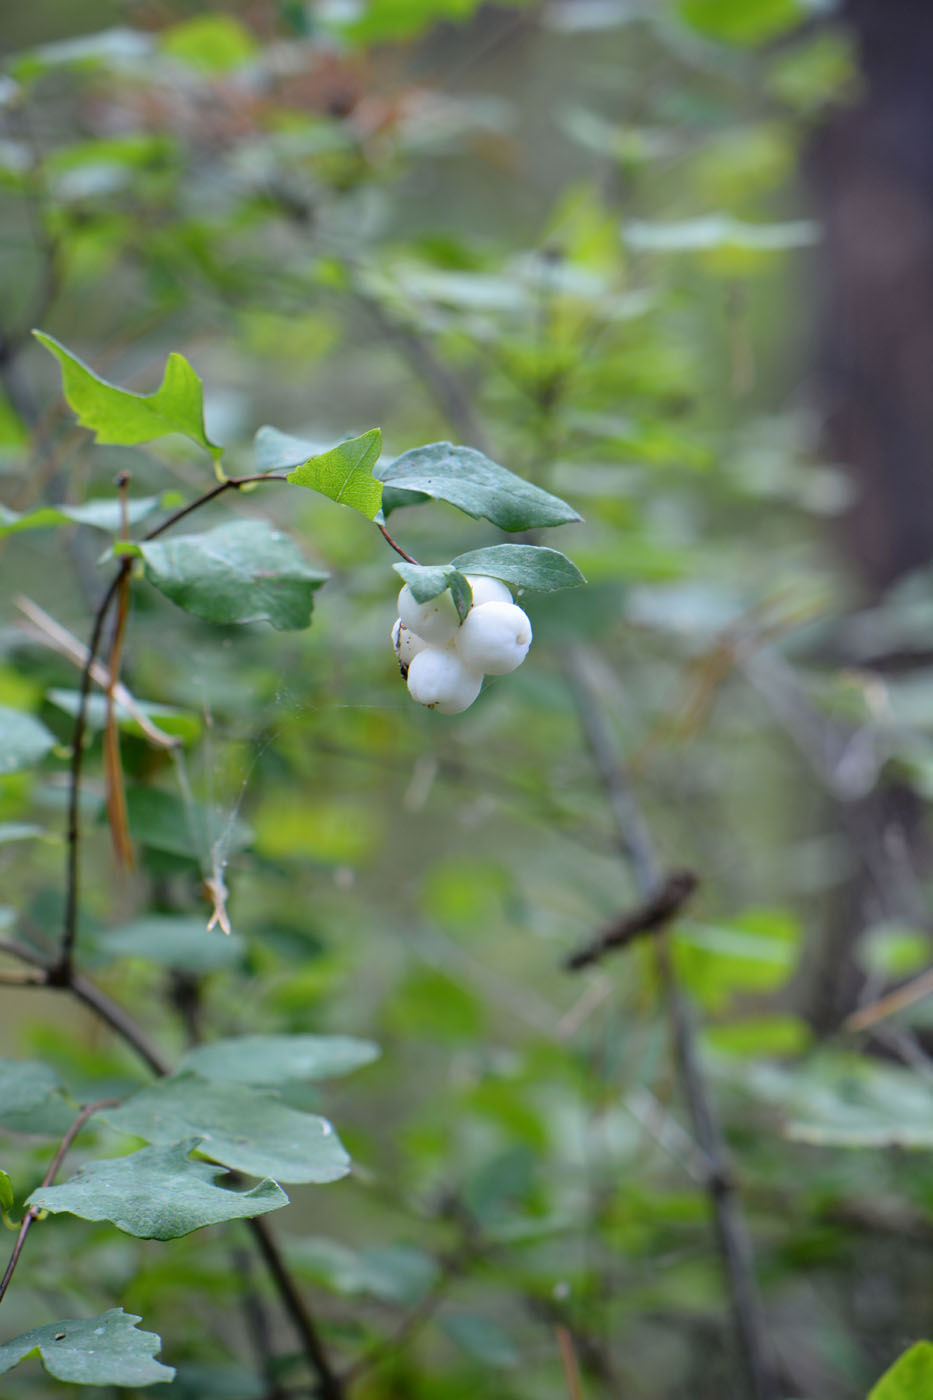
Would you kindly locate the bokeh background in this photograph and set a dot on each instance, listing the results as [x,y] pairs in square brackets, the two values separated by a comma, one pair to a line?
[673,262]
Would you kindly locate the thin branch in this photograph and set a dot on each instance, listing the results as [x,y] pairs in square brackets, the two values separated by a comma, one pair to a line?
[897,1000]
[330,1385]
[729,1220]
[51,634]
[568,1356]
[652,915]
[34,1211]
[397,547]
[60,974]
[454,1266]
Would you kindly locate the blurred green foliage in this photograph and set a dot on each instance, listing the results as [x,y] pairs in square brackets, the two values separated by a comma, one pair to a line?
[569,236]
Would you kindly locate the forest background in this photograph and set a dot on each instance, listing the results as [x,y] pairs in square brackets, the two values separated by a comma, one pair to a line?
[672,262]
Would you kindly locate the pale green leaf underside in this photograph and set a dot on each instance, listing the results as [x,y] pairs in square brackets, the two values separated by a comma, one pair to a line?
[242,571]
[343,473]
[476,485]
[103,515]
[910,1378]
[172,941]
[120,417]
[277,1059]
[104,1350]
[239,1126]
[23,740]
[157,1193]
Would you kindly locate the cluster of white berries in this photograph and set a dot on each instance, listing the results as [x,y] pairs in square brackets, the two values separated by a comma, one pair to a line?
[445,659]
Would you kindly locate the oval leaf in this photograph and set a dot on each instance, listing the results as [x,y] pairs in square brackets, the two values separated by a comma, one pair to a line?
[103,515]
[276,1059]
[118,416]
[243,571]
[240,1127]
[345,473]
[104,1350]
[157,1193]
[23,740]
[476,485]
[531,567]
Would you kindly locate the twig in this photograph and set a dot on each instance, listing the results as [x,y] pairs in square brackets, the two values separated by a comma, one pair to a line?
[419,1316]
[113,766]
[61,972]
[885,1006]
[57,638]
[34,1211]
[651,916]
[730,1225]
[397,547]
[330,1386]
[568,1357]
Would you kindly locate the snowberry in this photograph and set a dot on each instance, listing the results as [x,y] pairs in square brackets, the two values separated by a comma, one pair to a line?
[438,678]
[494,638]
[406,642]
[488,590]
[436,620]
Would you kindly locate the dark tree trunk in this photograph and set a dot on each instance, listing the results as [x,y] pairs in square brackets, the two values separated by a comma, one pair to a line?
[870,171]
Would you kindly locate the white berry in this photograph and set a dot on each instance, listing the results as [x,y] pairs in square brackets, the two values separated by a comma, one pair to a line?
[406,642]
[494,638]
[438,678]
[436,620]
[488,590]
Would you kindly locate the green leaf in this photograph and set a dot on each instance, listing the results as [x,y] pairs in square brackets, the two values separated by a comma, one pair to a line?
[345,474]
[910,1378]
[182,826]
[713,231]
[394,1273]
[172,941]
[850,1103]
[526,567]
[103,1350]
[103,515]
[209,43]
[181,723]
[742,21]
[32,1097]
[277,1059]
[426,581]
[157,1193]
[6,1193]
[23,740]
[240,1127]
[482,1339]
[121,417]
[242,571]
[476,485]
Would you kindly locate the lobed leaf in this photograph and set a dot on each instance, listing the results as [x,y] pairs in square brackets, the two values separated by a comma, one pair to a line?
[345,473]
[476,485]
[103,1350]
[32,1098]
[242,571]
[118,416]
[158,1193]
[240,1127]
[277,1059]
